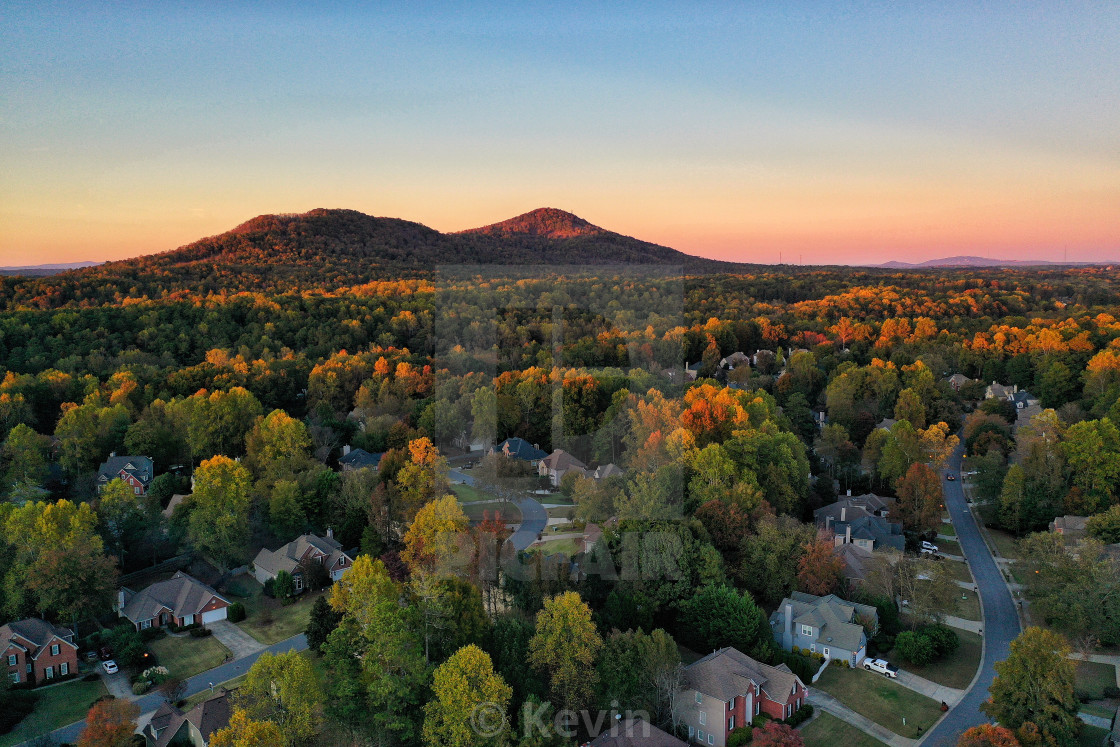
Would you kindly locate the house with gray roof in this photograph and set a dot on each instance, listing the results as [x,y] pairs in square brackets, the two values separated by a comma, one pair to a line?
[634,732]
[829,625]
[36,651]
[169,725]
[355,459]
[309,548]
[137,471]
[559,463]
[724,690]
[180,600]
[519,448]
[861,520]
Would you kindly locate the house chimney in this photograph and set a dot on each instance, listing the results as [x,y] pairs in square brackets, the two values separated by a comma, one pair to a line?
[345,450]
[120,600]
[112,454]
[330,533]
[849,492]
[843,513]
[788,634]
[848,535]
[828,522]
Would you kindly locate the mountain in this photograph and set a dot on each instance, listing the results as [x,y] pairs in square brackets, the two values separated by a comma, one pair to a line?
[964,261]
[48,269]
[336,248]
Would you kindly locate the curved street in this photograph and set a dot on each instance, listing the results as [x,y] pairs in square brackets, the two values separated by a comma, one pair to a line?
[1001,620]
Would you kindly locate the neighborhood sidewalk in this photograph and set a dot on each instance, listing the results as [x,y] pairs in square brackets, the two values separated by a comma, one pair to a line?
[825,702]
[959,622]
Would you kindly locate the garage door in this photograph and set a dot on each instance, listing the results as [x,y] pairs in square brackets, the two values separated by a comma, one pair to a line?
[214,615]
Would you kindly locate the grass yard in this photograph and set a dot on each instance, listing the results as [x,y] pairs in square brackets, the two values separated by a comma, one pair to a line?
[567,546]
[968,605]
[266,619]
[197,698]
[1092,736]
[881,700]
[57,706]
[511,514]
[565,512]
[469,494]
[827,731]
[951,547]
[187,656]
[955,671]
[1092,678]
[1098,710]
[948,529]
[1006,545]
[958,570]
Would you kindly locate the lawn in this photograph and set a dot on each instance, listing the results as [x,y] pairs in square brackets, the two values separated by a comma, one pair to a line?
[57,706]
[511,514]
[1006,545]
[827,731]
[1093,678]
[951,547]
[567,546]
[267,619]
[187,656]
[948,529]
[954,671]
[467,494]
[958,570]
[1092,736]
[564,512]
[198,697]
[883,701]
[968,605]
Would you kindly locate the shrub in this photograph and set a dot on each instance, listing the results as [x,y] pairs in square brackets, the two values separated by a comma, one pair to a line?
[739,737]
[803,666]
[141,687]
[150,634]
[915,648]
[944,639]
[284,585]
[201,632]
[91,677]
[760,720]
[155,675]
[1111,691]
[236,612]
[270,587]
[800,716]
[17,704]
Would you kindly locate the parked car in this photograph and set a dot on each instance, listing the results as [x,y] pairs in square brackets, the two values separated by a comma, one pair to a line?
[929,547]
[881,666]
[106,653]
[111,667]
[950,477]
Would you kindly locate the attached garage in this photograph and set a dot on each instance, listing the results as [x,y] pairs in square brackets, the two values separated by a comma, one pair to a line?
[214,615]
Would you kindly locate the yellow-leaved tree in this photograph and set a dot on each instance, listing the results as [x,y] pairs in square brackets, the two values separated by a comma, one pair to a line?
[469,704]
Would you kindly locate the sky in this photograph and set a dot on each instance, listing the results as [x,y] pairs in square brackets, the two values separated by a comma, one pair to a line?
[810,132]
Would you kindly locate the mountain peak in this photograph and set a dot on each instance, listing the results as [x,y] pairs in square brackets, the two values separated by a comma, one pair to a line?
[546,222]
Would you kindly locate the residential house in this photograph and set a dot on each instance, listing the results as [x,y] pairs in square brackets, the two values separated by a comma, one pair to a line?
[856,561]
[735,360]
[957,381]
[519,448]
[634,732]
[181,600]
[169,725]
[1070,527]
[996,390]
[1024,399]
[355,459]
[862,521]
[692,370]
[36,651]
[726,689]
[326,551]
[829,625]
[559,463]
[886,424]
[604,471]
[137,471]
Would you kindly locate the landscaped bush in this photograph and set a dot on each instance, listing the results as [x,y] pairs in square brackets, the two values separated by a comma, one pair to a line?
[128,645]
[803,666]
[270,587]
[739,737]
[800,716]
[1111,691]
[141,687]
[151,634]
[915,648]
[91,677]
[760,720]
[944,639]
[155,675]
[236,612]
[201,632]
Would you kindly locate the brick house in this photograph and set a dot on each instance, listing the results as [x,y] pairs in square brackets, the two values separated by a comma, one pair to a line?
[180,600]
[36,651]
[726,689]
[137,471]
[170,726]
[309,547]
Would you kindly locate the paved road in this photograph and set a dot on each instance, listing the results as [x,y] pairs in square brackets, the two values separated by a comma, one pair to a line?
[1001,621]
[534,518]
[195,684]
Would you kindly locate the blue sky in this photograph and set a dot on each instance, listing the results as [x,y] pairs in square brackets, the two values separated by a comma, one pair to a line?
[860,132]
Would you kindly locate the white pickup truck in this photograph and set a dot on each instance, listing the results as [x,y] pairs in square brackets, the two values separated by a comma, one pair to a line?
[881,666]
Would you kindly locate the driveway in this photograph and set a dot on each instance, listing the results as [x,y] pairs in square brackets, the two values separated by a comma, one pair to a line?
[534,519]
[117,684]
[239,643]
[1001,620]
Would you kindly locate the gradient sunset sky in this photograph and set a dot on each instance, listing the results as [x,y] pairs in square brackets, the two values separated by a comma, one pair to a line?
[829,132]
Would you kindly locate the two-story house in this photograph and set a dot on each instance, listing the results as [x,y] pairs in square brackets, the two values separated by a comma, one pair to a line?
[36,651]
[726,689]
[326,551]
[830,626]
[559,463]
[862,520]
[136,471]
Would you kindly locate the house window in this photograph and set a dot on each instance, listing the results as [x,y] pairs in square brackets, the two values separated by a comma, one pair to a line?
[299,583]
[813,647]
[50,673]
[711,739]
[145,624]
[730,723]
[700,734]
[731,704]
[136,491]
[11,660]
[54,650]
[703,718]
[826,652]
[691,732]
[15,678]
[806,630]
[699,697]
[64,669]
[757,707]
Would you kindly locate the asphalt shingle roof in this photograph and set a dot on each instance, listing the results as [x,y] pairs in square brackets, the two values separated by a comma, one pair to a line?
[182,594]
